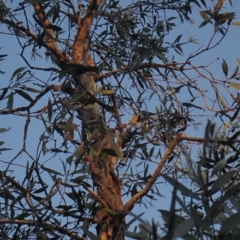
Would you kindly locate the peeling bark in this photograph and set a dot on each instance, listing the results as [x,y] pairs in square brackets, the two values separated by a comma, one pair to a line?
[110,223]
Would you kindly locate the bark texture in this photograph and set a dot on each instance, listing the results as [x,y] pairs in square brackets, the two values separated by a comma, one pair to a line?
[110,223]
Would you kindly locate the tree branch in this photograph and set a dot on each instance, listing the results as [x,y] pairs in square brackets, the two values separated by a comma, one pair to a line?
[81,42]
[123,209]
[62,230]
[26,108]
[58,56]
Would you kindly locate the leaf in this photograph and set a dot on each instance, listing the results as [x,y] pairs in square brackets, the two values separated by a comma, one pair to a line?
[54,27]
[150,140]
[2,130]
[122,33]
[238,60]
[49,170]
[29,171]
[17,71]
[1,72]
[236,24]
[62,125]
[42,189]
[222,102]
[24,95]
[70,159]
[31,89]
[109,152]
[68,126]
[203,24]
[203,2]
[232,222]
[10,101]
[3,56]
[49,110]
[235,72]
[234,85]
[169,216]
[159,54]
[134,120]
[107,92]
[219,166]
[205,16]
[225,68]
[5,149]
[79,152]
[183,228]
[178,39]
[221,181]
[191,105]
[4,92]
[184,190]
[44,123]
[114,146]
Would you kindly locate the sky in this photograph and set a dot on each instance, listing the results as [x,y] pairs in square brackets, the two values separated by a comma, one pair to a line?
[229,50]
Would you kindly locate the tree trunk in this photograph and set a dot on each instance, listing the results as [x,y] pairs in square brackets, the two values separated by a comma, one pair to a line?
[110,224]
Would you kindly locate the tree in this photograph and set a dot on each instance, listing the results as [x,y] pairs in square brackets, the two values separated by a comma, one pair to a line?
[114,107]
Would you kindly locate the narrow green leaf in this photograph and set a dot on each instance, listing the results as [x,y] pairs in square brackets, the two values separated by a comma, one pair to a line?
[203,24]
[49,110]
[178,39]
[4,92]
[68,127]
[225,68]
[70,159]
[45,125]
[150,140]
[146,171]
[184,190]
[30,89]
[235,72]
[42,189]
[236,24]
[234,85]
[10,101]
[223,179]
[30,171]
[159,53]
[54,27]
[232,222]
[107,92]
[114,146]
[205,16]
[24,95]
[183,228]
[3,55]
[17,71]
[219,166]
[203,2]
[122,32]
[238,60]
[2,130]
[5,149]
[169,216]
[109,152]
[49,170]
